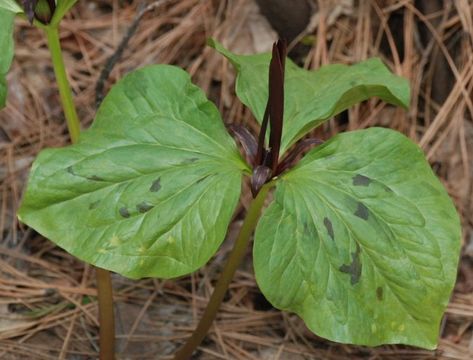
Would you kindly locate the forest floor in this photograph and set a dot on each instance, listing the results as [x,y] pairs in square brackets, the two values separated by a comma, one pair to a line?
[48,306]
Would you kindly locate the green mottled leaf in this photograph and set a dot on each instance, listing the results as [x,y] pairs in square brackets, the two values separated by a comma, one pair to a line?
[362,241]
[150,189]
[312,97]
[10,5]
[6,48]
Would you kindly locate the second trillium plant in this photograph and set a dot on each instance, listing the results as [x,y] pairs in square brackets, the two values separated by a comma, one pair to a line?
[360,239]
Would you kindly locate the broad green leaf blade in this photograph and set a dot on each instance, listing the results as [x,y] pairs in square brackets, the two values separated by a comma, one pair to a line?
[312,97]
[6,48]
[361,241]
[150,189]
[10,5]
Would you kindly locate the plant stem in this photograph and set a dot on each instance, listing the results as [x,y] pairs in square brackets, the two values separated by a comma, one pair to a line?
[234,260]
[106,316]
[104,282]
[65,92]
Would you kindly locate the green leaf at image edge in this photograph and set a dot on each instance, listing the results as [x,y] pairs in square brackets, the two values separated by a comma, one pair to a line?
[10,5]
[312,97]
[149,189]
[6,46]
[362,241]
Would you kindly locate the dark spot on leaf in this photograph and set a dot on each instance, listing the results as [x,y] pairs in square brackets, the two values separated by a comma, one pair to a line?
[124,212]
[71,171]
[354,268]
[143,207]
[361,180]
[329,227]
[387,189]
[95,178]
[362,211]
[353,82]
[202,179]
[94,205]
[306,229]
[156,185]
[379,293]
[189,161]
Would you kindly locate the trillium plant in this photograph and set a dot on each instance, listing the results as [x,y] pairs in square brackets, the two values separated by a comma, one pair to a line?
[358,237]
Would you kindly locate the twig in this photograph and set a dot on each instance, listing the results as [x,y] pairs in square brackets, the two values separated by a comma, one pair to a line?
[116,56]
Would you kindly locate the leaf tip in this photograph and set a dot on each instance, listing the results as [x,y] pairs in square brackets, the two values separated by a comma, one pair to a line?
[214,44]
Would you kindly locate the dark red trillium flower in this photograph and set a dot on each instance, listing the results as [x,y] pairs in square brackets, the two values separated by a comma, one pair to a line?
[265,160]
[29,6]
